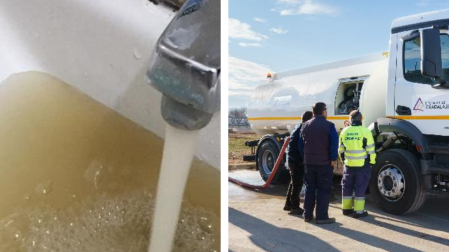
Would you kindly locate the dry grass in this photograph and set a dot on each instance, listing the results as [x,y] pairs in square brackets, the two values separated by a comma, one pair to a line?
[237,146]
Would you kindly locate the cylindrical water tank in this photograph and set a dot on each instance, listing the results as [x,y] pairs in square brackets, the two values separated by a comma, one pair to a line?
[277,105]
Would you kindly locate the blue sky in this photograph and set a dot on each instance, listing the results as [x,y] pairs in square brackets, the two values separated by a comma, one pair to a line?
[279,35]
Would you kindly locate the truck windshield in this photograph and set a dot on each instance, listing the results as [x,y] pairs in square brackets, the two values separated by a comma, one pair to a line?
[412,61]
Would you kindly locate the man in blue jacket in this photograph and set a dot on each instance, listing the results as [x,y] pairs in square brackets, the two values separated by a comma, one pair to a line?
[296,168]
[318,145]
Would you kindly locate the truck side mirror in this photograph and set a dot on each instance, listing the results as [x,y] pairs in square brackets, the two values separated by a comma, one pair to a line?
[431,65]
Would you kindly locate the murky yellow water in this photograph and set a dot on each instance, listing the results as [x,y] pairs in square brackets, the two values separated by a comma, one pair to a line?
[77,176]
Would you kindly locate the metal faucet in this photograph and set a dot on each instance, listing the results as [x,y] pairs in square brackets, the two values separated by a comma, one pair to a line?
[185,67]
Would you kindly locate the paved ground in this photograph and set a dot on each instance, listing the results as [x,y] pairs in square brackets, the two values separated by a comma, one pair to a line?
[258,223]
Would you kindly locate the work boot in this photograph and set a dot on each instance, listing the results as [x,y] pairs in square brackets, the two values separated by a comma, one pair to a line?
[307,219]
[328,221]
[359,215]
[296,211]
[348,211]
[287,207]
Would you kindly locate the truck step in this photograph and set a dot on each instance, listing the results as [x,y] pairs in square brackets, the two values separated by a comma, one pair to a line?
[438,169]
[249,158]
[440,148]
[438,192]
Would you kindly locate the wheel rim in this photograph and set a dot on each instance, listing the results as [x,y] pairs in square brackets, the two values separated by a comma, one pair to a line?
[268,161]
[391,183]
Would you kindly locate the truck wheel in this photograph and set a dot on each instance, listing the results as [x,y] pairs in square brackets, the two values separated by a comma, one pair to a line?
[396,184]
[268,153]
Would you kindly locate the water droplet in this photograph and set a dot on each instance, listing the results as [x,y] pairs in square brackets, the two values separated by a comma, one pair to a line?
[8,223]
[44,187]
[136,54]
[95,173]
[97,177]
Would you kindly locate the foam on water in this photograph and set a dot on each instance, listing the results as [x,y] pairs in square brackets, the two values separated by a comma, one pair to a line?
[103,223]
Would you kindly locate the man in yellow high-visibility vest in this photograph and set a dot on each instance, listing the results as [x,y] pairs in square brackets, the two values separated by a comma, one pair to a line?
[357,151]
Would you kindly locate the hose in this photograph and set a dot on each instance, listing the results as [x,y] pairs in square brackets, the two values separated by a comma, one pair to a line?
[273,172]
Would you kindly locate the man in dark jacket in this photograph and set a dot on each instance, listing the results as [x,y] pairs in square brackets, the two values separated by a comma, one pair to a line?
[318,145]
[296,168]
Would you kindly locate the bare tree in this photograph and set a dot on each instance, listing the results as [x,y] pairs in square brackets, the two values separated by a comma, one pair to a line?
[237,112]
[237,117]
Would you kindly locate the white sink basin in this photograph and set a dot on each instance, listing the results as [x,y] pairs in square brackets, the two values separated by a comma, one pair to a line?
[101,47]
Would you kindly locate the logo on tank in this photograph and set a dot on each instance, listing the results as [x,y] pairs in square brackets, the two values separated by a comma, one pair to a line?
[436,104]
[418,105]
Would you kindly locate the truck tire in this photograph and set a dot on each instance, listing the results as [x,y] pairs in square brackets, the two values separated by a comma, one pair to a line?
[267,154]
[396,185]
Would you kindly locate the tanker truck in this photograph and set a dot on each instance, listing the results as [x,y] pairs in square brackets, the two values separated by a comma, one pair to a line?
[403,95]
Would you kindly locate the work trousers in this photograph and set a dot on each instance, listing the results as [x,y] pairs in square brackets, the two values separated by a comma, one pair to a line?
[296,180]
[318,179]
[355,179]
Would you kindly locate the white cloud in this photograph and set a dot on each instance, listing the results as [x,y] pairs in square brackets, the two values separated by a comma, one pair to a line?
[278,30]
[305,7]
[261,20]
[240,30]
[243,44]
[244,76]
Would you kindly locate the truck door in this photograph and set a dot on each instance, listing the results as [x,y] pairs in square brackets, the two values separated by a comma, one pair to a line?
[415,98]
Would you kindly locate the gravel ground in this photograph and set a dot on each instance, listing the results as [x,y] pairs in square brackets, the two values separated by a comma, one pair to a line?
[258,223]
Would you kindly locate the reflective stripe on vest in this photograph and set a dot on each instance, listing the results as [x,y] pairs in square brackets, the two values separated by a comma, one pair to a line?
[355,158]
[369,146]
[355,151]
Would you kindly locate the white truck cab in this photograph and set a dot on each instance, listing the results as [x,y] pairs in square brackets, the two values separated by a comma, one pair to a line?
[403,95]
[419,98]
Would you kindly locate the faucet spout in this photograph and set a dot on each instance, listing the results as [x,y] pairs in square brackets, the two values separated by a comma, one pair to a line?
[185,66]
